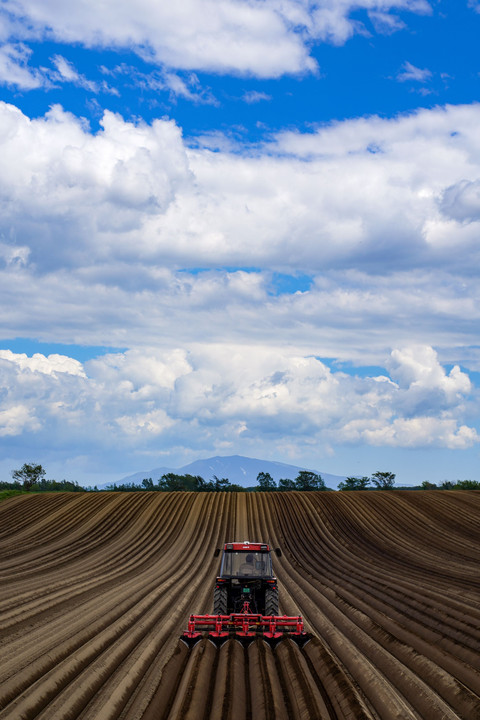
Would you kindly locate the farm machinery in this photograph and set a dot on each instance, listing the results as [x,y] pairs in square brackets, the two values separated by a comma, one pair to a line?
[245,599]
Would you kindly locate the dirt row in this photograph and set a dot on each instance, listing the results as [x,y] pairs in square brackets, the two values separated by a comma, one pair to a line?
[236,681]
[96,589]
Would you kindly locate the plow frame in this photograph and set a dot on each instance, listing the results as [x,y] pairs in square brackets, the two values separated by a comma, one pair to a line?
[245,625]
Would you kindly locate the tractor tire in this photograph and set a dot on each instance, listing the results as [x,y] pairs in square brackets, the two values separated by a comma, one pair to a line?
[271,601]
[220,601]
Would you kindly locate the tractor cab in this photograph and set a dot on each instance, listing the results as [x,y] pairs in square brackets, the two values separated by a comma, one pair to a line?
[246,560]
[246,574]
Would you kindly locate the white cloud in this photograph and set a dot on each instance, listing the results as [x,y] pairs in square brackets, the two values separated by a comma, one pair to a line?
[72,187]
[66,72]
[17,419]
[13,255]
[385,22]
[412,73]
[150,423]
[185,85]
[65,68]
[418,367]
[253,96]
[350,316]
[14,68]
[94,225]
[364,193]
[224,36]
[188,88]
[266,39]
[46,365]
[219,393]
[414,433]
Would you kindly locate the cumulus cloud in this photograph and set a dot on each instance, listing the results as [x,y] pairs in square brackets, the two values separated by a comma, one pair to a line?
[223,393]
[35,390]
[99,232]
[17,419]
[426,389]
[413,432]
[364,193]
[224,36]
[46,365]
[81,184]
[418,367]
[266,39]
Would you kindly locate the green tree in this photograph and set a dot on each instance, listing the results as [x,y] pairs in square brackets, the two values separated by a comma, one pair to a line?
[354,483]
[266,482]
[172,482]
[222,484]
[447,485]
[307,480]
[285,484]
[467,485]
[428,485]
[234,487]
[147,483]
[29,474]
[383,480]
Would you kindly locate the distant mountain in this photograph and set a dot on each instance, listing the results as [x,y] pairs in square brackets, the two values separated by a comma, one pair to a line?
[237,468]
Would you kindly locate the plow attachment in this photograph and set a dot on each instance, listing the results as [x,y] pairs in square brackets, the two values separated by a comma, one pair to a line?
[245,625]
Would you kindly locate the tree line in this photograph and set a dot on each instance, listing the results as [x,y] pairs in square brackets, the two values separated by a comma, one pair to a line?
[31,478]
[195,483]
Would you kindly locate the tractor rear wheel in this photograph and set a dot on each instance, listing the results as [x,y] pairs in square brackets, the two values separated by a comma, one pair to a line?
[271,601]
[220,601]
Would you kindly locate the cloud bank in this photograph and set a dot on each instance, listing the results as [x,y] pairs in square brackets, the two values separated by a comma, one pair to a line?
[109,235]
[220,395]
[136,237]
[362,194]
[265,39]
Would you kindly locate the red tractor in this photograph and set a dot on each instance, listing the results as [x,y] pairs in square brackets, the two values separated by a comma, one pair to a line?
[246,574]
[245,599]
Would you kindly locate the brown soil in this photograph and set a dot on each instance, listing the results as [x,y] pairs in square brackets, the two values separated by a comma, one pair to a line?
[95,591]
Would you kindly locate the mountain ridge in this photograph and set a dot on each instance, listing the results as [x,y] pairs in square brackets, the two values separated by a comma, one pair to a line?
[238,469]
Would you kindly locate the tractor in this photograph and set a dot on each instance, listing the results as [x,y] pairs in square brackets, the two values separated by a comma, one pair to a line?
[245,599]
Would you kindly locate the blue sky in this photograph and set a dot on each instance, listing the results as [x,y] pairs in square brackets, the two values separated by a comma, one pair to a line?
[240,228]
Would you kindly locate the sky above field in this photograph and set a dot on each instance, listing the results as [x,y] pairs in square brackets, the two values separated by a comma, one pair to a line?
[240,227]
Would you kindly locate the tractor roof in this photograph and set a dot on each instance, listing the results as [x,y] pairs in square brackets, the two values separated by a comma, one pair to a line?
[246,545]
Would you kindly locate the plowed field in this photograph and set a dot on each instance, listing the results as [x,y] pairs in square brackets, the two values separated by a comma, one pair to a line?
[96,589]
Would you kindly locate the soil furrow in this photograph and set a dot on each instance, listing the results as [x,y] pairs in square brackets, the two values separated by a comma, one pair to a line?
[96,589]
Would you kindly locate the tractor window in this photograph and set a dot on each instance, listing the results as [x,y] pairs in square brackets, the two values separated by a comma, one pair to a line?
[246,563]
